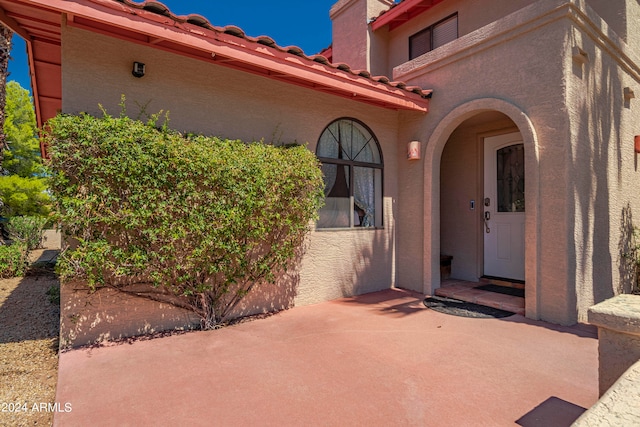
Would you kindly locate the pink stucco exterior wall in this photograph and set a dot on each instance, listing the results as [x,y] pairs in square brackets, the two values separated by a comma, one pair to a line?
[517,58]
[514,66]
[214,100]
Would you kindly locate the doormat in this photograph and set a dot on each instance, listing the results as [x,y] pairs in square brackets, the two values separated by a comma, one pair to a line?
[505,290]
[464,309]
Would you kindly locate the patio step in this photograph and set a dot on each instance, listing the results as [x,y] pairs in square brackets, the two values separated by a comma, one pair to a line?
[466,291]
[489,280]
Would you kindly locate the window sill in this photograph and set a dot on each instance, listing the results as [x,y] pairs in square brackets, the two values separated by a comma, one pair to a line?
[349,229]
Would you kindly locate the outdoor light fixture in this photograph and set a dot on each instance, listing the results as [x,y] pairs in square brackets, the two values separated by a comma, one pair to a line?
[413,150]
[636,140]
[138,69]
[628,93]
[579,55]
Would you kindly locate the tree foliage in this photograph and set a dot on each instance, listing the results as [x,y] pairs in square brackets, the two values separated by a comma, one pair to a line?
[24,196]
[23,155]
[22,186]
[209,219]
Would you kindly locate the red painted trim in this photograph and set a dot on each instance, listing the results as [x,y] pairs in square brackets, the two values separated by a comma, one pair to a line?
[327,53]
[274,64]
[13,24]
[125,22]
[402,13]
[252,54]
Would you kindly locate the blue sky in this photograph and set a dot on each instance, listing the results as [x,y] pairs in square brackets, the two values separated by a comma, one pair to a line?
[304,23]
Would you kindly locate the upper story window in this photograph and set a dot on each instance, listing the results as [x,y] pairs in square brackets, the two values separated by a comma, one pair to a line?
[352,167]
[434,36]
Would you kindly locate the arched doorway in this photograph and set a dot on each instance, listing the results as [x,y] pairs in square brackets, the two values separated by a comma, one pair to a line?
[482,145]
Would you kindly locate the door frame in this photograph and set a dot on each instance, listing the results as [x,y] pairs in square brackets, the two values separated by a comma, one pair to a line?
[511,132]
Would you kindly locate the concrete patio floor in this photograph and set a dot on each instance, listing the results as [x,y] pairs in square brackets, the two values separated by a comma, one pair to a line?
[377,359]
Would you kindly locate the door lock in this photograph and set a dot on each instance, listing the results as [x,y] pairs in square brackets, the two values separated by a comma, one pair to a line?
[487,217]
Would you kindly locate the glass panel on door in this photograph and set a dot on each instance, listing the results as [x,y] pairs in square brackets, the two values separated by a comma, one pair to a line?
[510,178]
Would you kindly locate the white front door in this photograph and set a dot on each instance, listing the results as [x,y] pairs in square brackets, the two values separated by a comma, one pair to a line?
[504,206]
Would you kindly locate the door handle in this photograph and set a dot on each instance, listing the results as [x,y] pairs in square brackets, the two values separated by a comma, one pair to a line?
[487,217]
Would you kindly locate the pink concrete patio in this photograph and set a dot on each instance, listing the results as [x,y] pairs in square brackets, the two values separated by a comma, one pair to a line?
[377,359]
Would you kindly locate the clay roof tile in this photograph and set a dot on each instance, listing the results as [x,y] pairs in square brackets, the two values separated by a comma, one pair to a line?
[199,20]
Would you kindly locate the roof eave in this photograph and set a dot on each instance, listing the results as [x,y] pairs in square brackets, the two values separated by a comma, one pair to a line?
[402,13]
[229,51]
[158,31]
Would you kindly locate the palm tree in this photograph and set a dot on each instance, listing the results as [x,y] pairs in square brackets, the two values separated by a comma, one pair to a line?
[5,52]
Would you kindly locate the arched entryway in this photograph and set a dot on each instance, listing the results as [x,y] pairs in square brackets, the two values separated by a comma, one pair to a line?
[460,207]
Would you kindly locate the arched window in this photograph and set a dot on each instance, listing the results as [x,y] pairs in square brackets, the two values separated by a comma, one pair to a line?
[352,167]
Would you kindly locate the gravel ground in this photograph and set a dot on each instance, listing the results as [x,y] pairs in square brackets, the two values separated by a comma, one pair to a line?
[29,332]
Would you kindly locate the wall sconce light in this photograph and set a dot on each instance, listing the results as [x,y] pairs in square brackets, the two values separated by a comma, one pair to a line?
[138,69]
[413,150]
[579,55]
[636,140]
[628,93]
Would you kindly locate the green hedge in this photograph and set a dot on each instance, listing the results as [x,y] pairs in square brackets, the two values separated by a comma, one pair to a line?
[27,230]
[205,217]
[13,261]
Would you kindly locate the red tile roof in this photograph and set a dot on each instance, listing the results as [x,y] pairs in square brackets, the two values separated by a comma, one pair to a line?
[151,23]
[401,12]
[199,20]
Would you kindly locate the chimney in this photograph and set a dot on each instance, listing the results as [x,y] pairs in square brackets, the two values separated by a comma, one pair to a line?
[353,41]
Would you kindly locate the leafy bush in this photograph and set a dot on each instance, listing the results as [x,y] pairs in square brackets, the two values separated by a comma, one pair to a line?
[24,196]
[13,261]
[207,218]
[22,186]
[27,230]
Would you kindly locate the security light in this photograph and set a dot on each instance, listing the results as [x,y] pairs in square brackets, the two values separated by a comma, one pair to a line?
[138,69]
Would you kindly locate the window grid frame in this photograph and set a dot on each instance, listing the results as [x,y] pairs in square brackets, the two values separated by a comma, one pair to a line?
[351,164]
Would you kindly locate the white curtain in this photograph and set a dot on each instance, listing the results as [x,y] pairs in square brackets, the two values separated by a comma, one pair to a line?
[330,171]
[358,146]
[364,194]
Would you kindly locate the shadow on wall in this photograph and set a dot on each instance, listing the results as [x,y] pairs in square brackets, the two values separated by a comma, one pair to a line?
[271,297]
[111,314]
[370,269]
[107,314]
[628,247]
[597,170]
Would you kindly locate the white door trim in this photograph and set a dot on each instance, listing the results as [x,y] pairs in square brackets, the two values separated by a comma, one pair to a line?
[504,228]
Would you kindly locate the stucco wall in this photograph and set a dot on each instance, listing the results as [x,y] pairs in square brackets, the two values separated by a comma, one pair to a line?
[620,15]
[516,65]
[214,100]
[604,200]
[581,168]
[353,41]
[471,16]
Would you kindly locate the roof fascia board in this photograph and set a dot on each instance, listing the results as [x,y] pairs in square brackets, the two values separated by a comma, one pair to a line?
[13,25]
[405,8]
[233,47]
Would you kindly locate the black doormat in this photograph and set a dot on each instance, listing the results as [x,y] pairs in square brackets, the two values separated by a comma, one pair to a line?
[506,290]
[464,309]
